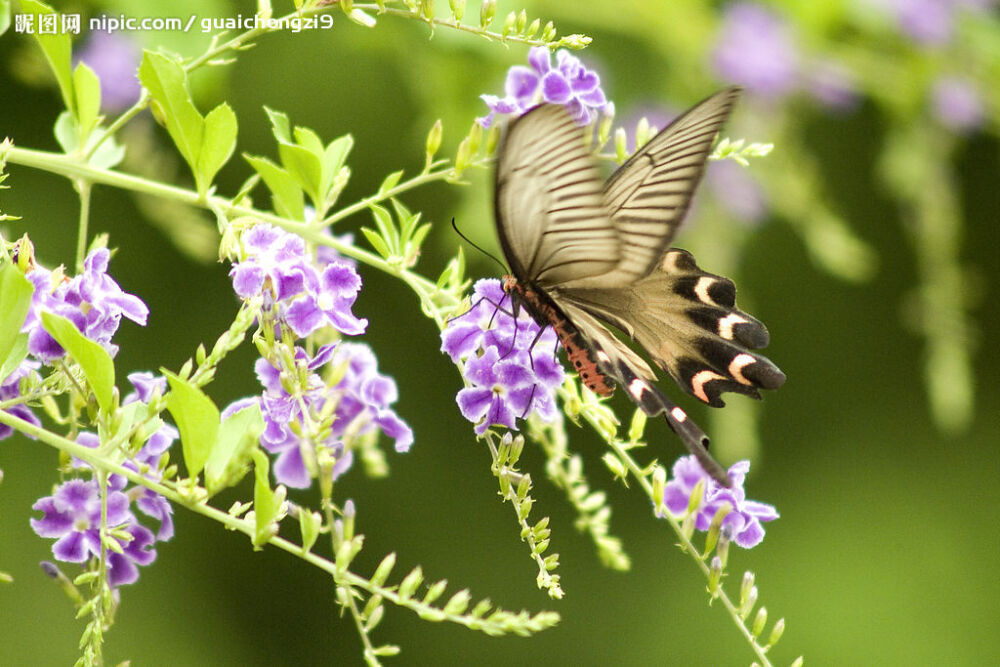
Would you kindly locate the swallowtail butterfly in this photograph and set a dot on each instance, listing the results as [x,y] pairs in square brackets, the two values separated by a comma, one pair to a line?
[584,253]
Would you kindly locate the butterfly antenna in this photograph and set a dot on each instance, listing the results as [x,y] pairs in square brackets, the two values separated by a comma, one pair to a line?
[454,226]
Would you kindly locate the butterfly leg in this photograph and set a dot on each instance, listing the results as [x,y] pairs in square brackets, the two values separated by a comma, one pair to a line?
[531,399]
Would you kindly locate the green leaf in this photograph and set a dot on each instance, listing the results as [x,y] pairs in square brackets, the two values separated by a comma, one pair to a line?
[280,126]
[380,247]
[218,143]
[391,181]
[266,502]
[15,299]
[197,420]
[17,354]
[4,16]
[93,359]
[418,237]
[304,166]
[308,139]
[334,157]
[383,220]
[87,88]
[108,154]
[230,457]
[65,132]
[56,47]
[167,83]
[286,194]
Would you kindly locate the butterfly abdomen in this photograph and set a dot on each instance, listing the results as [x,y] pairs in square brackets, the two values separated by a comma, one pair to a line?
[580,355]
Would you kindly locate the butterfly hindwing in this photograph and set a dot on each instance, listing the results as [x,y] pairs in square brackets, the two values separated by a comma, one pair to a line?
[688,323]
[618,361]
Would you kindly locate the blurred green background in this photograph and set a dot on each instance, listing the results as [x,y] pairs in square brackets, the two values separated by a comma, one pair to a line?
[873,258]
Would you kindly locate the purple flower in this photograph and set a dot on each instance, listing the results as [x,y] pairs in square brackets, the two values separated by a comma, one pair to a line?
[93,301]
[736,191]
[73,515]
[742,524]
[756,49]
[832,84]
[277,268]
[927,22]
[123,567]
[145,384]
[569,83]
[149,458]
[9,389]
[114,58]
[511,370]
[957,104]
[361,402]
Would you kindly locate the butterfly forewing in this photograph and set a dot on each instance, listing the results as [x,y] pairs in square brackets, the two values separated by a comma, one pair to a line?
[550,210]
[648,196]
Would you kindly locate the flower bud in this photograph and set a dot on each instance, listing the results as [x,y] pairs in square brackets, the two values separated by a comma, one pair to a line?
[759,621]
[533,28]
[548,32]
[462,157]
[714,576]
[486,13]
[434,139]
[475,137]
[621,144]
[776,632]
[509,24]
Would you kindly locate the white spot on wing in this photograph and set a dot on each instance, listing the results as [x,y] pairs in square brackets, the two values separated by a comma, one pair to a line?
[700,379]
[669,263]
[727,323]
[636,387]
[678,415]
[701,289]
[736,366]
[603,357]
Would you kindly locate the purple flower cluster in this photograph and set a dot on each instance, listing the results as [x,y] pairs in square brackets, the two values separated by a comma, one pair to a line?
[307,295]
[72,514]
[957,104]
[93,301]
[737,191]
[511,370]
[360,403]
[10,389]
[742,525]
[757,49]
[930,23]
[277,268]
[569,83]
[114,58]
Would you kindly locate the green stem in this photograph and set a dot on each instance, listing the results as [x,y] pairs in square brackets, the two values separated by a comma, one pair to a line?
[83,187]
[426,176]
[66,166]
[455,25]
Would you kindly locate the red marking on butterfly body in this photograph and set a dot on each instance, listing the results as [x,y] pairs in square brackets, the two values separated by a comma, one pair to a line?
[545,312]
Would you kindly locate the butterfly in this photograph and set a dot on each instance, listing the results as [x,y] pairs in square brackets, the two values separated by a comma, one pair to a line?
[584,254]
